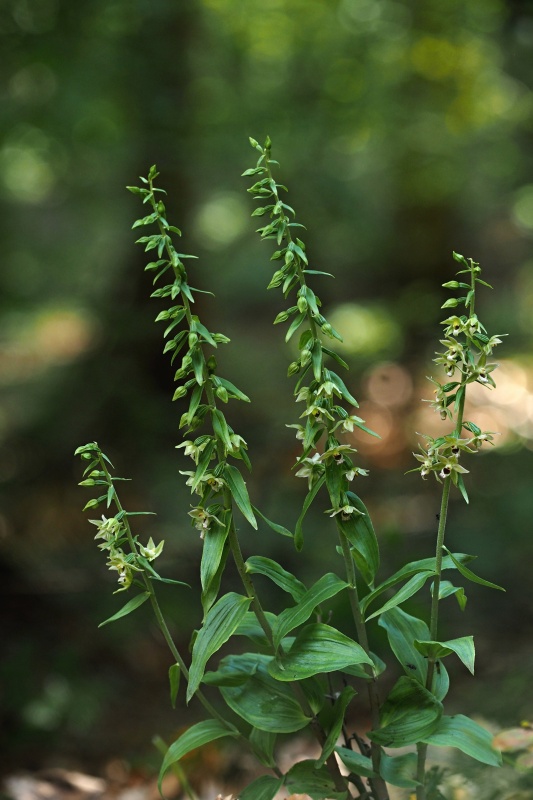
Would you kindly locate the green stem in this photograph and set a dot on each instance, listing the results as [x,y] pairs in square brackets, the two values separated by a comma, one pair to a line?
[378,784]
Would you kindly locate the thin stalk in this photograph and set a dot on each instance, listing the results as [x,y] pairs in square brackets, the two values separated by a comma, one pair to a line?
[434,618]
[378,784]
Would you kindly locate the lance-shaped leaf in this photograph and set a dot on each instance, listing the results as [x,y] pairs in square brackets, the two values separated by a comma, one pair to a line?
[304,778]
[317,648]
[250,627]
[220,623]
[221,430]
[402,630]
[465,734]
[198,735]
[339,710]
[327,586]
[262,701]
[467,573]
[399,770]
[361,535]
[214,547]
[134,603]
[263,744]
[233,390]
[463,648]
[239,492]
[357,763]
[424,565]
[265,787]
[446,588]
[409,715]
[411,587]
[273,525]
[281,577]
[298,531]
[174,674]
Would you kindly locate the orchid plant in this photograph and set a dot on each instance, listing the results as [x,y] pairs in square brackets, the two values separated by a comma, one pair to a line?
[295,672]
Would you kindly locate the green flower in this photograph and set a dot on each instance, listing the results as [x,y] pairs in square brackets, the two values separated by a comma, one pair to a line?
[151,551]
[311,469]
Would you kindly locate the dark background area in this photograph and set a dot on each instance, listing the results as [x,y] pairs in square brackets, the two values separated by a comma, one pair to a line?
[404,131]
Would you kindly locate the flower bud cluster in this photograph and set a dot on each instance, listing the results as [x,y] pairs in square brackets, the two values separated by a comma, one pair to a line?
[196,372]
[114,531]
[467,348]
[325,390]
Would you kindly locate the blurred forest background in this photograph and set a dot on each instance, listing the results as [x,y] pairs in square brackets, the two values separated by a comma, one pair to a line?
[404,131]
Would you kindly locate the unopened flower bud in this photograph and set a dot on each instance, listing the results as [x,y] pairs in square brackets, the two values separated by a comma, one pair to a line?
[181,391]
[277,279]
[283,316]
[193,339]
[222,394]
[327,329]
[305,357]
[161,207]
[302,305]
[293,368]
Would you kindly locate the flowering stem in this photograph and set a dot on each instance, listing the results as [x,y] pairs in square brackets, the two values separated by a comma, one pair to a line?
[378,784]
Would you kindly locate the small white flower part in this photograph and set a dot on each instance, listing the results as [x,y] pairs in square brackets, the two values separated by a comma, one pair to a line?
[445,472]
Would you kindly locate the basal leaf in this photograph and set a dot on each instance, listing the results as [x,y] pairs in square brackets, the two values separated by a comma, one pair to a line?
[399,770]
[250,627]
[196,736]
[357,763]
[339,710]
[465,734]
[265,787]
[262,701]
[409,714]
[263,744]
[304,778]
[220,623]
[317,648]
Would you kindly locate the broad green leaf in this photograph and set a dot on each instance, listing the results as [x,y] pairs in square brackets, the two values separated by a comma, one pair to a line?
[304,778]
[412,568]
[359,671]
[361,535]
[327,586]
[357,763]
[463,648]
[402,630]
[339,710]
[409,714]
[212,554]
[220,623]
[239,492]
[134,603]
[263,744]
[471,576]
[298,532]
[411,587]
[274,525]
[465,734]
[250,627]
[174,674]
[399,770]
[264,788]
[198,735]
[317,648]
[271,569]
[262,701]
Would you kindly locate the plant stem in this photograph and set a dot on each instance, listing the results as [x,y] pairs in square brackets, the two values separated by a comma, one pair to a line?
[378,784]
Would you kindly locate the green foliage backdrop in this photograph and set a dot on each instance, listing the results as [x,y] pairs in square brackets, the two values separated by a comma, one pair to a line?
[405,129]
